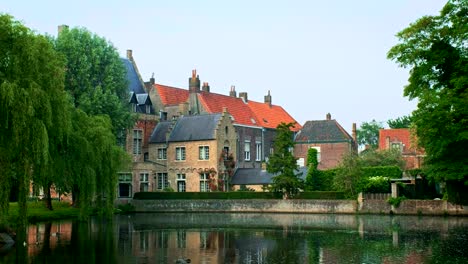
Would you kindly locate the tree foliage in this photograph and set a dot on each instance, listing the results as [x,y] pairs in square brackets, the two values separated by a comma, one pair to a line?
[32,106]
[95,76]
[400,122]
[283,163]
[435,48]
[368,134]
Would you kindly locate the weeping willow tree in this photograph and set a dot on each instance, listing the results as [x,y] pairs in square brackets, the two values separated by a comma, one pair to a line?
[32,105]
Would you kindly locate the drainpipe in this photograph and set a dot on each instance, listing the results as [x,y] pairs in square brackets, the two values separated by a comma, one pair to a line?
[263,145]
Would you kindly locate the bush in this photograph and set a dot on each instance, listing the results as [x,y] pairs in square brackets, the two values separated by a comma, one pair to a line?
[205,195]
[395,201]
[125,208]
[392,172]
[377,184]
[321,195]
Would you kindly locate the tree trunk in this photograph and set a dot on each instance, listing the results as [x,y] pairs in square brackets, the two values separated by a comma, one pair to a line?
[48,196]
[75,195]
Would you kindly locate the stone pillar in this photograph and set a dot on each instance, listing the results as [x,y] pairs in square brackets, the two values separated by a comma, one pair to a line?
[394,190]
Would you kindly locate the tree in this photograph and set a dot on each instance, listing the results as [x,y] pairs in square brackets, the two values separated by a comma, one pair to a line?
[390,157]
[33,117]
[283,163]
[95,76]
[400,122]
[368,134]
[435,48]
[313,179]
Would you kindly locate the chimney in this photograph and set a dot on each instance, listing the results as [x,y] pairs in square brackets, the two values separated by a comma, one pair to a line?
[194,82]
[354,132]
[206,87]
[243,95]
[268,98]
[233,93]
[61,28]
[152,79]
[129,54]
[328,116]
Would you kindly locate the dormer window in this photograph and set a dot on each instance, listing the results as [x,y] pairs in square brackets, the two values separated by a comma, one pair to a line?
[134,108]
[148,109]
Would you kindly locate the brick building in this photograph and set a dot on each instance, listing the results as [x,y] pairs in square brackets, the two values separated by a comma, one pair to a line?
[329,138]
[402,140]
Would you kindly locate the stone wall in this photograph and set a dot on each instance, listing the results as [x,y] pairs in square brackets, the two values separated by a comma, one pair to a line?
[407,207]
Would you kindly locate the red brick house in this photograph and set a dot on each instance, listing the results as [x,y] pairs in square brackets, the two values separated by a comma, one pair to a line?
[402,140]
[329,138]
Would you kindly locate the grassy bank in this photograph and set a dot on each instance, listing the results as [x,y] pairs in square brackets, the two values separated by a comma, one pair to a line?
[37,212]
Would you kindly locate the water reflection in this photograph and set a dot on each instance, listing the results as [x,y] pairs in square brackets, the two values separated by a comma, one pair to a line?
[247,238]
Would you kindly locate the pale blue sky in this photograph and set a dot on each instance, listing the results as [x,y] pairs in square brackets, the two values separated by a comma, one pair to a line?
[314,56]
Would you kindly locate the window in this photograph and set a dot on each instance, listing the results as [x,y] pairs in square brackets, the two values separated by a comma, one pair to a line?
[258,151]
[162,181]
[148,109]
[125,185]
[181,182]
[398,146]
[204,182]
[319,155]
[134,108]
[247,150]
[226,153]
[162,153]
[144,182]
[203,153]
[226,130]
[137,140]
[180,153]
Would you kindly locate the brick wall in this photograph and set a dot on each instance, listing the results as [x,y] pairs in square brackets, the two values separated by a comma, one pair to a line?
[330,153]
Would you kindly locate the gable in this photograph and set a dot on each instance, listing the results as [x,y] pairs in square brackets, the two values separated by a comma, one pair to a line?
[322,131]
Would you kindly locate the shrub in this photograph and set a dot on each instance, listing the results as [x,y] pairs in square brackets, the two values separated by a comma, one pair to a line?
[392,172]
[125,208]
[395,201]
[377,184]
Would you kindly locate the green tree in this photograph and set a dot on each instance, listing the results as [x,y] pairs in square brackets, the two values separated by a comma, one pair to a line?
[348,176]
[390,157]
[313,179]
[95,76]
[400,122]
[368,134]
[435,48]
[283,163]
[32,105]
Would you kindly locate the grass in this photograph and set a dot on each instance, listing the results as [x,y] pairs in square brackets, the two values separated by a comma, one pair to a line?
[38,212]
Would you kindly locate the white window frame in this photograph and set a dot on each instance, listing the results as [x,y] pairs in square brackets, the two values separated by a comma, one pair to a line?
[162,153]
[180,153]
[247,150]
[148,109]
[144,179]
[137,141]
[163,181]
[204,182]
[258,150]
[203,152]
[181,177]
[126,178]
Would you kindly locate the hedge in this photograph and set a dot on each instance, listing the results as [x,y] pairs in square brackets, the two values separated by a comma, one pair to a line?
[392,172]
[232,195]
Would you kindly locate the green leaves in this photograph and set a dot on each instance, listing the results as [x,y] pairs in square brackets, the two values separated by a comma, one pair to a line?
[368,134]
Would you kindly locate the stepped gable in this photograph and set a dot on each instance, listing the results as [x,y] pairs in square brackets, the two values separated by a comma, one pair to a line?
[316,131]
[171,95]
[270,116]
[197,127]
[240,111]
[160,132]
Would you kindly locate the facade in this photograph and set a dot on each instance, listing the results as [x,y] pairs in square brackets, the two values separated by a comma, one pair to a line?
[190,152]
[402,140]
[330,140]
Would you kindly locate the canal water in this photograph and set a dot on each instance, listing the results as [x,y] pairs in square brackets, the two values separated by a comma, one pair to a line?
[246,238]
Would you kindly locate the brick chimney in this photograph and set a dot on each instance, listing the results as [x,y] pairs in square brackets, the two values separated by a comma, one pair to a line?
[233,93]
[328,117]
[354,135]
[268,98]
[194,82]
[243,95]
[61,28]
[152,80]
[206,87]
[130,54]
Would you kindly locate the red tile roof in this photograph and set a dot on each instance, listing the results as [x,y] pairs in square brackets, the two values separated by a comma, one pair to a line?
[242,114]
[171,95]
[251,113]
[272,116]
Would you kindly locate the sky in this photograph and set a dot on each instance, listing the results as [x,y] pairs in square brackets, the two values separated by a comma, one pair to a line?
[315,57]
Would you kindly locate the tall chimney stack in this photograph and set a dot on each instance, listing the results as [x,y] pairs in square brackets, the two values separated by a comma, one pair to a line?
[61,28]
[152,80]
[244,97]
[233,93]
[268,98]
[130,54]
[354,135]
[206,87]
[328,116]
[194,82]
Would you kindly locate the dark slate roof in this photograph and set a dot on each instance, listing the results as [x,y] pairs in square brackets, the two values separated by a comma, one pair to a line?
[159,132]
[257,176]
[132,99]
[322,131]
[134,83]
[198,127]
